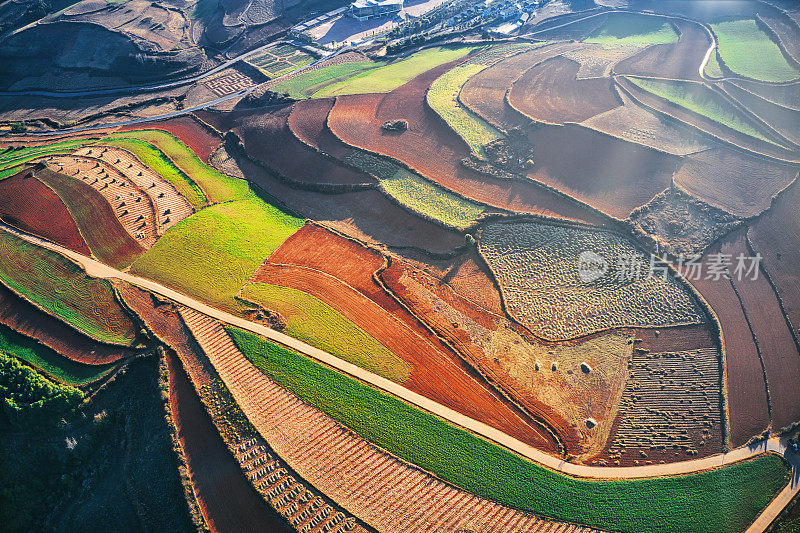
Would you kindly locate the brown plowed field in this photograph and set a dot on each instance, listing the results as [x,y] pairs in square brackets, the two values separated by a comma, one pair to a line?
[226,498]
[775,342]
[704,124]
[748,413]
[783,95]
[199,137]
[24,318]
[784,27]
[28,204]
[431,148]
[607,173]
[101,228]
[309,122]
[679,60]
[485,92]
[436,373]
[577,31]
[268,138]
[740,184]
[676,339]
[776,236]
[469,277]
[551,93]
[783,119]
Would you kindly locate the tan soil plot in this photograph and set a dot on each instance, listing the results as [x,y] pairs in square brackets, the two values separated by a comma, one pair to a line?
[485,93]
[634,123]
[611,175]
[748,413]
[671,408]
[775,342]
[550,93]
[708,126]
[132,207]
[24,318]
[263,133]
[598,62]
[356,474]
[470,278]
[676,339]
[433,150]
[733,181]
[776,236]
[199,137]
[170,207]
[679,60]
[29,205]
[785,120]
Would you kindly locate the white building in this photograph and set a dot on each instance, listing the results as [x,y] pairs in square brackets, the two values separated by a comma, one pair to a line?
[374,9]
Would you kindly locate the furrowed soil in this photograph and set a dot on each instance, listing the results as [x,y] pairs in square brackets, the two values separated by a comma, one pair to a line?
[26,319]
[783,119]
[347,285]
[733,181]
[485,93]
[228,500]
[309,123]
[775,342]
[679,60]
[748,411]
[776,236]
[103,231]
[550,93]
[607,173]
[430,148]
[29,205]
[676,339]
[189,129]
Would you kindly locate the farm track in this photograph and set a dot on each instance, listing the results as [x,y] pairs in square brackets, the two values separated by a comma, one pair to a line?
[28,204]
[385,492]
[430,148]
[778,348]
[28,320]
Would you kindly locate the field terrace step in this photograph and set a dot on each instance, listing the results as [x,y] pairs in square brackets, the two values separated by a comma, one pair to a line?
[383,491]
[170,206]
[131,205]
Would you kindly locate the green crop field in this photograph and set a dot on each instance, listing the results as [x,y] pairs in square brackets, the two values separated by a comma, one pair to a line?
[749,51]
[155,159]
[423,196]
[307,83]
[714,67]
[721,500]
[61,288]
[48,361]
[314,322]
[216,186]
[633,30]
[443,98]
[698,98]
[213,253]
[389,77]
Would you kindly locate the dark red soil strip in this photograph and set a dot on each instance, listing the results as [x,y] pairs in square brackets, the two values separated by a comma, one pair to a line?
[201,139]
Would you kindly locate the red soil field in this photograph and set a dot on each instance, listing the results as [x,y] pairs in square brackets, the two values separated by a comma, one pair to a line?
[474,355]
[29,205]
[485,92]
[776,236]
[366,215]
[736,182]
[676,339]
[309,123]
[778,349]
[679,60]
[710,127]
[108,239]
[748,412]
[550,92]
[785,120]
[431,148]
[24,318]
[305,265]
[607,173]
[227,500]
[469,277]
[200,138]
[267,138]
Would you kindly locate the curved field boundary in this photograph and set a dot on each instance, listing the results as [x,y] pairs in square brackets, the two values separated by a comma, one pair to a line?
[715,130]
[783,120]
[198,136]
[31,206]
[355,473]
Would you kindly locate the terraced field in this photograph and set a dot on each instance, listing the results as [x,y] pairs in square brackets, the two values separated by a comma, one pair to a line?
[748,50]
